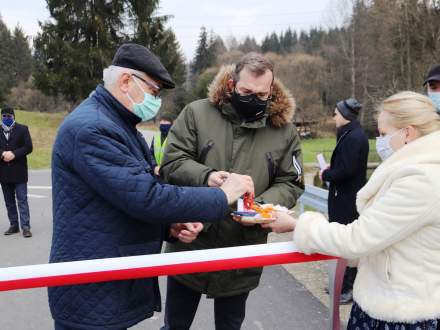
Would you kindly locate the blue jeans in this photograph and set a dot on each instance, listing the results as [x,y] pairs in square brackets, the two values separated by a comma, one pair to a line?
[11,191]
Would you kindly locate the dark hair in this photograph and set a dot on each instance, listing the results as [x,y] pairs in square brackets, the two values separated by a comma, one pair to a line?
[167,117]
[7,110]
[255,63]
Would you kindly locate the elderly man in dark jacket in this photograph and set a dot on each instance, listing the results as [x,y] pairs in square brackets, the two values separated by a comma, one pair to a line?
[107,202]
[347,174]
[15,145]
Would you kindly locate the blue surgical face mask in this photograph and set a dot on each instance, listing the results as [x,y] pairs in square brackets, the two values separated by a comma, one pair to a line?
[435,98]
[8,121]
[383,145]
[148,108]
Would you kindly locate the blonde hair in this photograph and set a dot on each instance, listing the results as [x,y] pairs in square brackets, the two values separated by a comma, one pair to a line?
[411,109]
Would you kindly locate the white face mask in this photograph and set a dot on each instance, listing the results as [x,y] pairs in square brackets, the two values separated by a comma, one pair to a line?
[383,145]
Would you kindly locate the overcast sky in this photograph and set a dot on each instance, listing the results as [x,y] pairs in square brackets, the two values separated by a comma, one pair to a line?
[226,18]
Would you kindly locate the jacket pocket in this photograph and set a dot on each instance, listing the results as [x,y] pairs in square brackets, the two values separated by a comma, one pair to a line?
[142,293]
[205,150]
[271,167]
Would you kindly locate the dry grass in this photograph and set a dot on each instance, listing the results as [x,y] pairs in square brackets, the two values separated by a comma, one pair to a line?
[43,128]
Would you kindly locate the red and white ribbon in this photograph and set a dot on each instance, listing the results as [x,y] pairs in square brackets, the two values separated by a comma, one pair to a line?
[110,269]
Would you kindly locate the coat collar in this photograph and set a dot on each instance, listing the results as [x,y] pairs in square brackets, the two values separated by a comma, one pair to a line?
[348,127]
[124,117]
[280,111]
[8,129]
[112,104]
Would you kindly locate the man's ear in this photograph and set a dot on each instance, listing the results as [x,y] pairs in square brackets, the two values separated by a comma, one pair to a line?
[123,82]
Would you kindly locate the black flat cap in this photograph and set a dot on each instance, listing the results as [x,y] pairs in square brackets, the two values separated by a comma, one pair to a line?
[433,74]
[8,110]
[349,108]
[137,57]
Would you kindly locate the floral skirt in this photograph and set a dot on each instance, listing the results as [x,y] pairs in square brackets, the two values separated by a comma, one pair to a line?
[359,320]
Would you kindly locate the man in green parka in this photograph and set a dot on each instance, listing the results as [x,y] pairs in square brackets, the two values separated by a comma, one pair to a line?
[244,126]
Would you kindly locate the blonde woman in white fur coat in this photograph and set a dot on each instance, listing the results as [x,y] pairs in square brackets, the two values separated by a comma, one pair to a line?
[395,242]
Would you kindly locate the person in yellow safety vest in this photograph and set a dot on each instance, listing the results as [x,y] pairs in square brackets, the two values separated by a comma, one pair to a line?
[159,141]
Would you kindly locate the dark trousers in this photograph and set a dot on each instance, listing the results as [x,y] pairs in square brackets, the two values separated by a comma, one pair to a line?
[349,277]
[182,302]
[13,193]
[59,326]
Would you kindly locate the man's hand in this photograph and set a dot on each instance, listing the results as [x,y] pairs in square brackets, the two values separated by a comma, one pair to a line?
[186,232]
[8,156]
[283,224]
[216,179]
[156,170]
[237,185]
[322,171]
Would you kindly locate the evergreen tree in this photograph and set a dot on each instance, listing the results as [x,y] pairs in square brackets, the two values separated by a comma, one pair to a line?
[22,57]
[82,36]
[294,38]
[76,45]
[287,41]
[265,45]
[271,43]
[202,57]
[216,47]
[274,43]
[249,45]
[6,77]
[150,31]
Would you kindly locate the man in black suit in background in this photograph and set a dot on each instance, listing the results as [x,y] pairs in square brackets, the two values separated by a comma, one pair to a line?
[15,145]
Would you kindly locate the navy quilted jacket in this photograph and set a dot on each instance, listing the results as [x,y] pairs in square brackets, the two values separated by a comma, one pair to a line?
[107,203]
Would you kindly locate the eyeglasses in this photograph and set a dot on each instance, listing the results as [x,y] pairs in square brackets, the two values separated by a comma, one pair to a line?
[156,89]
[263,97]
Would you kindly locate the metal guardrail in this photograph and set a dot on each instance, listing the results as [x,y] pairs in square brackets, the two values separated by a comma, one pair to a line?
[317,199]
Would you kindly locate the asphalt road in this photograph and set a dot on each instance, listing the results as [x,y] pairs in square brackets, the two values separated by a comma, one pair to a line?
[279,303]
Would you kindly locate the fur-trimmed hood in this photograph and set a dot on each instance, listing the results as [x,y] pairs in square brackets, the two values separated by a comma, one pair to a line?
[281,109]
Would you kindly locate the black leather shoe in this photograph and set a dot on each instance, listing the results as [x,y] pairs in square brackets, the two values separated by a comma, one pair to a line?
[346,298]
[27,233]
[12,230]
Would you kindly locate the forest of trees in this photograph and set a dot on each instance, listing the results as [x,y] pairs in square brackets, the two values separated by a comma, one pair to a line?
[75,45]
[382,46]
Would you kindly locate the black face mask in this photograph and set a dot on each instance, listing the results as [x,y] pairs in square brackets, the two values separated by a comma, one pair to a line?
[249,107]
